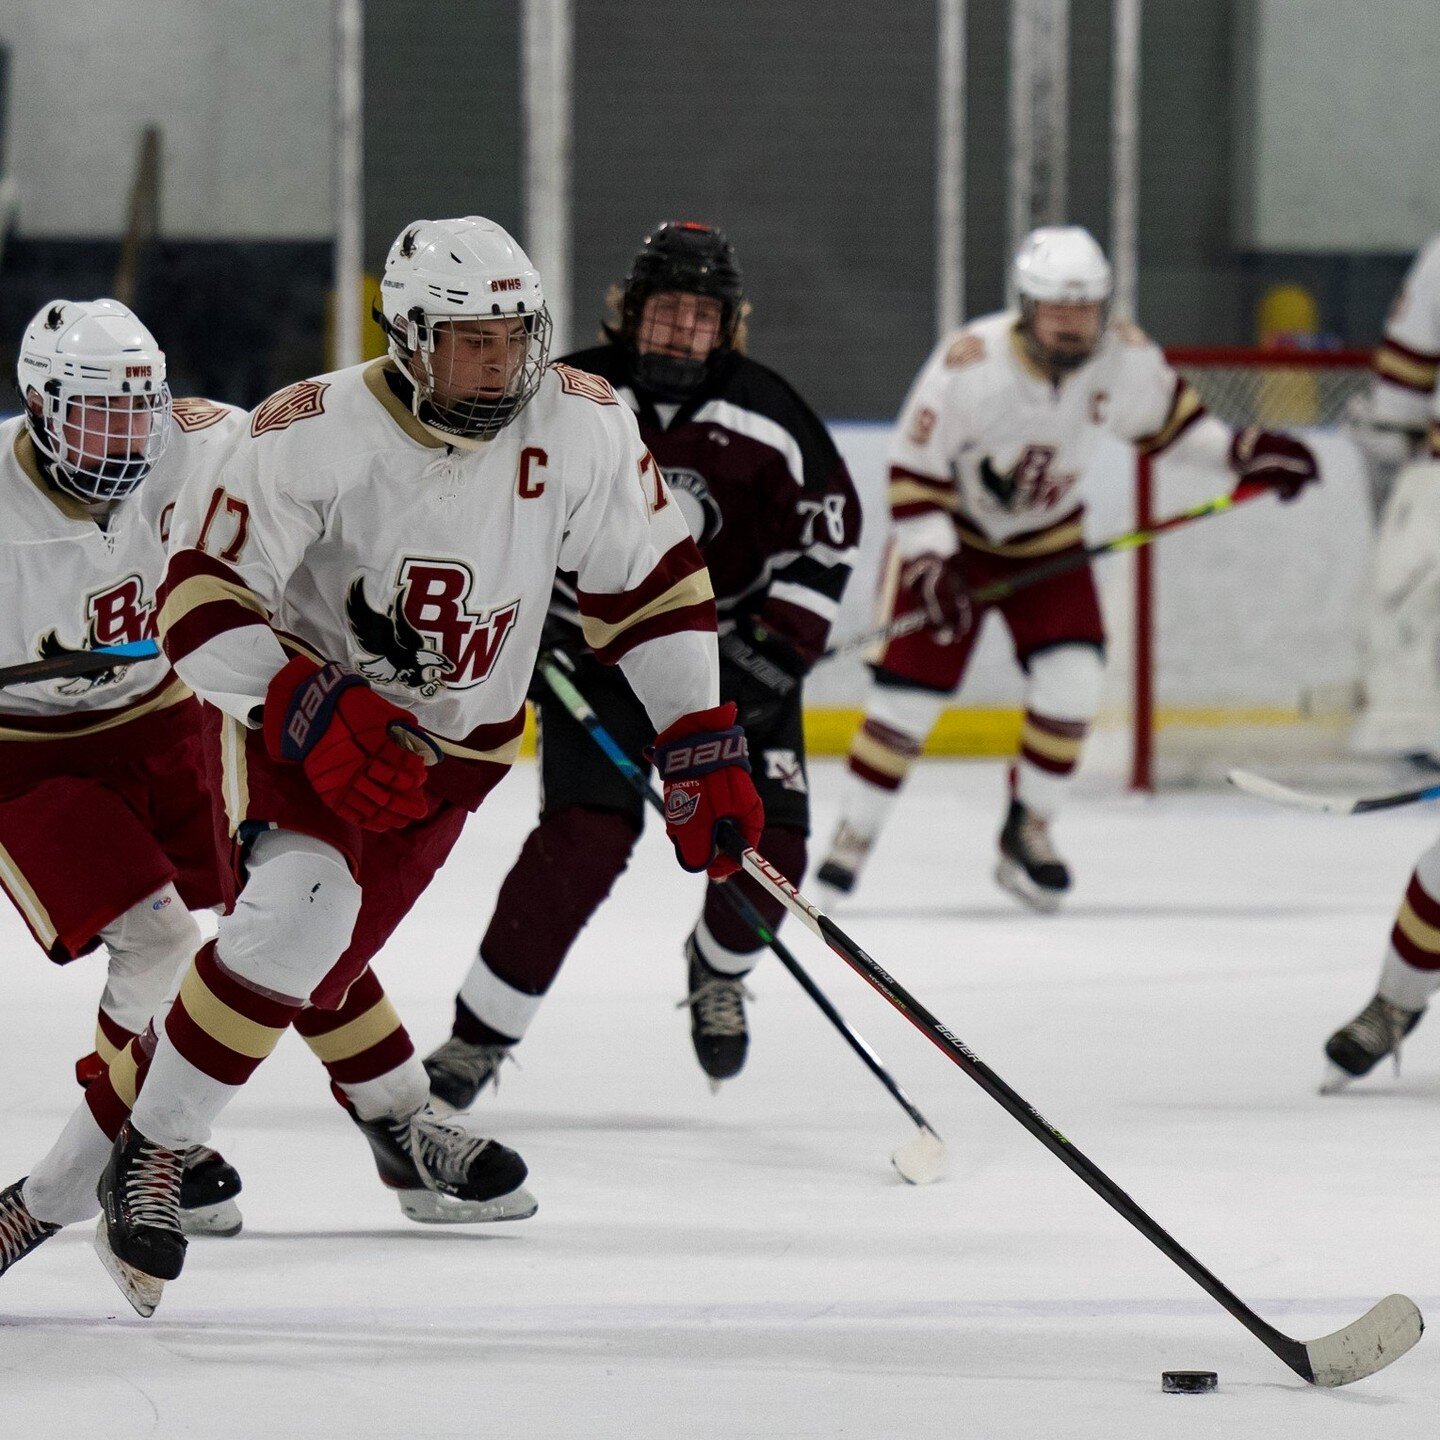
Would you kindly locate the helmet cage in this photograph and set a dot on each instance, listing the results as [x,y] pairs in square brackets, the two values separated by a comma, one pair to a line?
[90,432]
[413,344]
[1060,360]
[691,259]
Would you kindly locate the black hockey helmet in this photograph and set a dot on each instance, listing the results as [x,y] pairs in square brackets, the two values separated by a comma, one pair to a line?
[694,258]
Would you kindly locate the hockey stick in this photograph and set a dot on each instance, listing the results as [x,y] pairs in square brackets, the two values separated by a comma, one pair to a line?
[1047,570]
[918,1160]
[1384,1333]
[78,662]
[1277,794]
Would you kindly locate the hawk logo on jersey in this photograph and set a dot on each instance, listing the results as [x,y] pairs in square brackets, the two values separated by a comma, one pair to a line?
[51,647]
[429,637]
[118,615]
[1029,485]
[699,507]
[301,401]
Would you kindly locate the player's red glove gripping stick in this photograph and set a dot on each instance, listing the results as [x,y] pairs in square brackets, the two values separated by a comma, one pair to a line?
[1271,460]
[704,766]
[337,729]
[933,584]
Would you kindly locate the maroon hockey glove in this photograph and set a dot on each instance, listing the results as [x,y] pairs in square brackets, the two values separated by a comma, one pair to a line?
[932,583]
[1271,460]
[704,765]
[327,720]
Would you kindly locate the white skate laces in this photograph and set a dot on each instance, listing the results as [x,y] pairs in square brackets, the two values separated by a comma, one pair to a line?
[20,1231]
[718,1003]
[151,1186]
[443,1151]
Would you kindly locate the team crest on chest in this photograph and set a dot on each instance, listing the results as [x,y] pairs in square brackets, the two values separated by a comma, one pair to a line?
[429,636]
[120,614]
[699,507]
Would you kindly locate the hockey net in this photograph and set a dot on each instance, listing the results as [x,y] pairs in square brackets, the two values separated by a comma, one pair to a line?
[1237,641]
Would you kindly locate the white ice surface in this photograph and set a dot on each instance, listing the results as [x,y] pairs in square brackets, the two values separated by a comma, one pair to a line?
[748,1264]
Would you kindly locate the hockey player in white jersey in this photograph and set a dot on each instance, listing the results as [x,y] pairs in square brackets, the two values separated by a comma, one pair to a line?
[988,477]
[1397,427]
[108,828]
[106,836]
[364,586]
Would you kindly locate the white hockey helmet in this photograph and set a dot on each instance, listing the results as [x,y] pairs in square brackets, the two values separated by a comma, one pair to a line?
[92,380]
[444,272]
[1063,264]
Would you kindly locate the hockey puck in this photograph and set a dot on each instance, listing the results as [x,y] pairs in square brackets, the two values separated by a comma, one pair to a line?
[1188,1382]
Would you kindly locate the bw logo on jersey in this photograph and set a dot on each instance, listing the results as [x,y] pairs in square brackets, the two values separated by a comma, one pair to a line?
[118,615]
[428,637]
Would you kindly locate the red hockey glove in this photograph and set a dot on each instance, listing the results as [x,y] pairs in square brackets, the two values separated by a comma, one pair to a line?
[1271,460]
[337,729]
[933,583]
[704,765]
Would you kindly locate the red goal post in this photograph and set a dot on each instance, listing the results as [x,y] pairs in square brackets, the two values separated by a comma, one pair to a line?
[1273,387]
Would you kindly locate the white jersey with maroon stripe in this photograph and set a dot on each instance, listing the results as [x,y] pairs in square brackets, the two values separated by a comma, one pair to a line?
[1407,364]
[69,584]
[344,526]
[988,438]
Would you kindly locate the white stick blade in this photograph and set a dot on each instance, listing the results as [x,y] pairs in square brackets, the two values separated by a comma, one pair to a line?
[921,1159]
[1277,794]
[1379,1337]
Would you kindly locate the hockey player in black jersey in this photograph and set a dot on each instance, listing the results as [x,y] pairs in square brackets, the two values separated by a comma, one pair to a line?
[771,504]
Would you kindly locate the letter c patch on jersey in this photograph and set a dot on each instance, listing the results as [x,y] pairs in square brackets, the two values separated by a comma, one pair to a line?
[532,460]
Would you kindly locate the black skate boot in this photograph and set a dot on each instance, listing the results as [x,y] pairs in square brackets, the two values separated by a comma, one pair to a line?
[1355,1049]
[139,1240]
[459,1071]
[20,1231]
[442,1174]
[1029,867]
[849,850]
[208,1187]
[717,1018]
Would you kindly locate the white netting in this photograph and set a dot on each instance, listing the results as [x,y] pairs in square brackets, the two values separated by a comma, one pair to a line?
[1255,620]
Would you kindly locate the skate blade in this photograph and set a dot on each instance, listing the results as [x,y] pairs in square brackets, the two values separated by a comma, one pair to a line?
[1012,877]
[222,1218]
[141,1290]
[1335,1079]
[428,1207]
[443,1108]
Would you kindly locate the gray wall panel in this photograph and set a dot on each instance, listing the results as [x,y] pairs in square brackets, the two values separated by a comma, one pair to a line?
[442,115]
[813,147]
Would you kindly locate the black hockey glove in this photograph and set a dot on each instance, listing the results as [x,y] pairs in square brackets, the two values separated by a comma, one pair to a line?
[759,671]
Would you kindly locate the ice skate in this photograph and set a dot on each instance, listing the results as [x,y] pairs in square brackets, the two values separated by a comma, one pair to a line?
[442,1174]
[459,1071]
[717,1018]
[1355,1049]
[20,1231]
[208,1187]
[1029,867]
[139,1240]
[840,872]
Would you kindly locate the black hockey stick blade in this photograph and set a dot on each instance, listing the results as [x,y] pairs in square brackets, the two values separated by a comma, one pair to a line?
[78,662]
[1277,794]
[1380,1336]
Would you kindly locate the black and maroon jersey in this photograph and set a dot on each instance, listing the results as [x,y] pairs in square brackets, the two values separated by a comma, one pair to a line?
[763,488]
